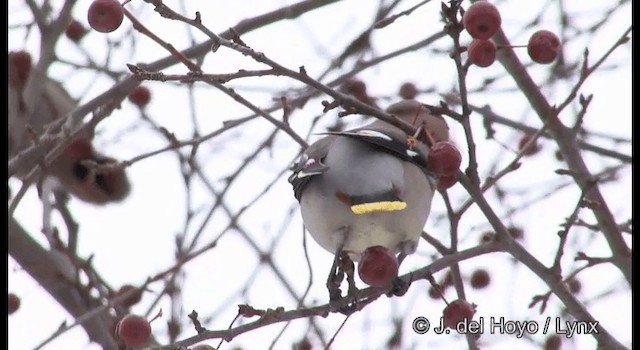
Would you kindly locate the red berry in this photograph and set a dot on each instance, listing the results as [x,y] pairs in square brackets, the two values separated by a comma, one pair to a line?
[408,91]
[133,330]
[134,295]
[574,285]
[480,278]
[457,311]
[482,53]
[19,68]
[445,182]
[444,158]
[105,16]
[543,47]
[378,266]
[482,20]
[553,342]
[529,150]
[75,31]
[14,303]
[140,96]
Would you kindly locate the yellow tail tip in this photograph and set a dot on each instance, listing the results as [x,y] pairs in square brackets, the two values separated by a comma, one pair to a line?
[366,208]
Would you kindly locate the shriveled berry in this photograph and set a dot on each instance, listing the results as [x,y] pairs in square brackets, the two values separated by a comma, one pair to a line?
[434,293]
[140,96]
[575,286]
[543,47]
[444,158]
[378,266]
[75,31]
[446,181]
[482,53]
[134,295]
[19,68]
[14,303]
[133,330]
[457,311]
[482,20]
[529,150]
[480,278]
[105,16]
[355,87]
[408,91]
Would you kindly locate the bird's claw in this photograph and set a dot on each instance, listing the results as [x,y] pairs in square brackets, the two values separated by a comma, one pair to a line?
[342,265]
[399,287]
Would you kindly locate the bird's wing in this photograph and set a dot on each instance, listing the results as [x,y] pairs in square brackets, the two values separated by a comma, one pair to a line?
[387,138]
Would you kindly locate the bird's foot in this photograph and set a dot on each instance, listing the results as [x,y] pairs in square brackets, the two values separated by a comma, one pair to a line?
[347,266]
[399,287]
[334,280]
[342,265]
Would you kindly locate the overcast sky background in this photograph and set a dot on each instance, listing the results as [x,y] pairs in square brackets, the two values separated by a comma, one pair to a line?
[135,239]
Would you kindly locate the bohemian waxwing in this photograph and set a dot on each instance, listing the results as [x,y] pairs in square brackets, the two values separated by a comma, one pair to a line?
[369,186]
[81,181]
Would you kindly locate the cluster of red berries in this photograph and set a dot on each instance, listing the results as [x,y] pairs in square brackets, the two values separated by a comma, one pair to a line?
[482,20]
[444,159]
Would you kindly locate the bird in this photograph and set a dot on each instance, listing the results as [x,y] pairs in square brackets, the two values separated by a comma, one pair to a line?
[70,169]
[369,186]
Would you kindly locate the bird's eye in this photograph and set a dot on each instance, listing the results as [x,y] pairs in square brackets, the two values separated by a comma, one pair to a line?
[80,171]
